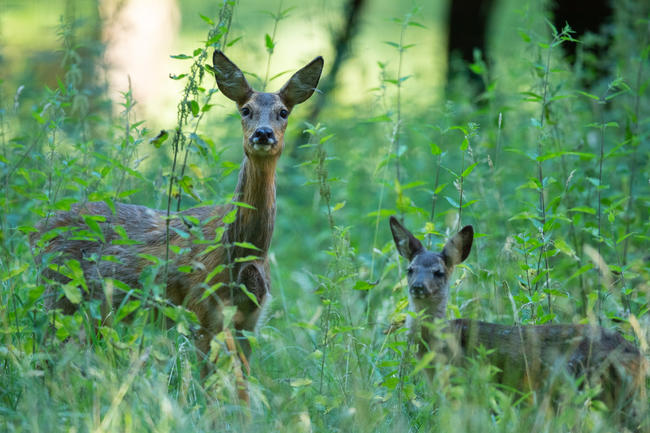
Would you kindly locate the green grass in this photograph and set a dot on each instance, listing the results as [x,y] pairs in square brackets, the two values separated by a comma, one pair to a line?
[323,361]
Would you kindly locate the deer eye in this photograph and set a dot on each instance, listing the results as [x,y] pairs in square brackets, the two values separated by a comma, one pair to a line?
[245,111]
[409,271]
[284,113]
[438,273]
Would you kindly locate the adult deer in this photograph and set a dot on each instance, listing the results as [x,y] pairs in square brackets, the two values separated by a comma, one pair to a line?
[264,120]
[528,357]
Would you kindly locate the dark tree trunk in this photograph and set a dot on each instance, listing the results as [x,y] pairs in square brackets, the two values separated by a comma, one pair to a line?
[342,42]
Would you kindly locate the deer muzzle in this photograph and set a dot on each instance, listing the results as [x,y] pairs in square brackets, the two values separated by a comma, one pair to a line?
[419,290]
[263,137]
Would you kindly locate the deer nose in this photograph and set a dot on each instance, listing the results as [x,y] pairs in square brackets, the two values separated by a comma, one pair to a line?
[418,289]
[263,135]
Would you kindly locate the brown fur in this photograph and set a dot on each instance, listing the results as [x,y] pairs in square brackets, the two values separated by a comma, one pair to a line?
[527,357]
[255,187]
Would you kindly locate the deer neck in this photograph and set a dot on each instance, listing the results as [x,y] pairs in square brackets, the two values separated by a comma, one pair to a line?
[432,310]
[254,224]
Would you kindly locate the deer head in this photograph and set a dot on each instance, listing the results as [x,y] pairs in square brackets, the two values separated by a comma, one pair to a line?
[428,273]
[264,115]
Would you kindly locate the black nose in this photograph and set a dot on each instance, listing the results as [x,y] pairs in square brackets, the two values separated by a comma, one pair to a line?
[418,289]
[263,135]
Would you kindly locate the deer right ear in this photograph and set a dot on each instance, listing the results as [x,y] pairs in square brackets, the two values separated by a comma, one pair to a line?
[458,247]
[302,84]
[407,245]
[230,79]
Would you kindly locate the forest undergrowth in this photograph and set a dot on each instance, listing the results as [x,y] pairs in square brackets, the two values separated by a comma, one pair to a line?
[547,159]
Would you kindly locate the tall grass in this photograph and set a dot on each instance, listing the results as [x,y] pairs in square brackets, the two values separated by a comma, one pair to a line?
[551,171]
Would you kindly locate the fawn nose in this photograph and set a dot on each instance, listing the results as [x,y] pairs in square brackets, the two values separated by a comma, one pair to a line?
[418,289]
[263,135]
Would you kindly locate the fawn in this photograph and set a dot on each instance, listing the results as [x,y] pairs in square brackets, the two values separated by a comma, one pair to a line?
[264,120]
[528,357]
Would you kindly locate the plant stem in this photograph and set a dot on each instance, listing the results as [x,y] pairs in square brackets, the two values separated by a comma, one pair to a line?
[277,18]
[540,175]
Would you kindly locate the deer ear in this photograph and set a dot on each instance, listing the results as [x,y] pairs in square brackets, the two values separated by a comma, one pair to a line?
[230,79]
[458,247]
[407,245]
[302,84]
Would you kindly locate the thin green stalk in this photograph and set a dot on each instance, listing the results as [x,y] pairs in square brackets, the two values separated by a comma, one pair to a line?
[326,319]
[398,122]
[191,90]
[270,44]
[635,129]
[225,16]
[598,214]
[434,197]
[540,175]
[128,107]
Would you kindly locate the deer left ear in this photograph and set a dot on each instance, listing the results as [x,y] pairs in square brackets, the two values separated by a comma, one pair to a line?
[407,245]
[458,247]
[302,84]
[230,79]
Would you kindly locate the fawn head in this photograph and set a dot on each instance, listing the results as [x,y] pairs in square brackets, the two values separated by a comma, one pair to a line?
[428,272]
[264,115]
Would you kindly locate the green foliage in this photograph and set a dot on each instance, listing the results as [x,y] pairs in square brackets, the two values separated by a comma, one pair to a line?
[549,164]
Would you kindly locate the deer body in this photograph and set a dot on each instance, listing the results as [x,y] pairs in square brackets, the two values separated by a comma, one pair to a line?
[264,119]
[528,357]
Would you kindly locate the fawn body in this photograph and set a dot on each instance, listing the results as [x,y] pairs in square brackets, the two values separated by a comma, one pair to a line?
[264,119]
[528,357]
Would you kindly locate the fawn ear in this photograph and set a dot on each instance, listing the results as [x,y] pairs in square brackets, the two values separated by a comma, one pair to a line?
[302,84]
[458,247]
[407,245]
[230,79]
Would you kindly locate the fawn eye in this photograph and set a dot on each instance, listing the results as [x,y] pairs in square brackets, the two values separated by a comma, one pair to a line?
[438,273]
[245,111]
[284,113]
[409,271]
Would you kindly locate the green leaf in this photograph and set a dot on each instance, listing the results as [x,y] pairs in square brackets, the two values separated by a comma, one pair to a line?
[524,36]
[250,295]
[230,216]
[217,270]
[15,272]
[210,291]
[424,362]
[72,292]
[194,107]
[296,383]
[234,41]
[469,169]
[159,139]
[246,259]
[583,209]
[91,222]
[270,45]
[207,19]
[181,56]
[416,24]
[364,285]
[452,202]
[589,95]
[247,245]
[379,119]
